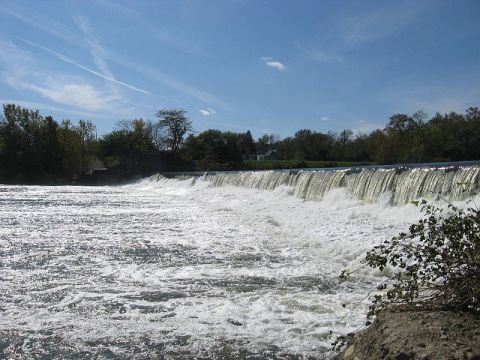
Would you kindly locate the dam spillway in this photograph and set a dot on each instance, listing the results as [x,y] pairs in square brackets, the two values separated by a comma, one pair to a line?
[194,267]
[403,184]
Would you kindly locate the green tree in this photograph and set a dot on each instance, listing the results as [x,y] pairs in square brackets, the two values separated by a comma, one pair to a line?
[344,139]
[246,145]
[71,144]
[175,125]
[265,143]
[359,148]
[213,150]
[140,133]
[471,134]
[12,134]
[87,135]
[51,151]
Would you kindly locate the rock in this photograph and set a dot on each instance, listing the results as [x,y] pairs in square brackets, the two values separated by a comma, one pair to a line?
[432,335]
[473,356]
[383,352]
[403,356]
[235,322]
[349,352]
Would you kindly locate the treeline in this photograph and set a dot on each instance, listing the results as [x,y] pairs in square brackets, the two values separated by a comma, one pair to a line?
[36,149]
[405,139]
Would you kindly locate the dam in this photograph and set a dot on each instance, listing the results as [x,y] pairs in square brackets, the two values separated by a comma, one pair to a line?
[239,265]
[451,182]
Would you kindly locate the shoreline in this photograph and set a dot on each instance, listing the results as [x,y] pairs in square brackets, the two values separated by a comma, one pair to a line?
[400,333]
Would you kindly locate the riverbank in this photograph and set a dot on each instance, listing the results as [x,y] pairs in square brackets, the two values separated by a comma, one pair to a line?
[401,334]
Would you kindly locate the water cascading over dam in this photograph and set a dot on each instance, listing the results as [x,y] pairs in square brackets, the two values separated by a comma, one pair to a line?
[192,268]
[452,183]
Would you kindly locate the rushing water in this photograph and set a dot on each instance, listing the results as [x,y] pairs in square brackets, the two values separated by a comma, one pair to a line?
[183,269]
[404,184]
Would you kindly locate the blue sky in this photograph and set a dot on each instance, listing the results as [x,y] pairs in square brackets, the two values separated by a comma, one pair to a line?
[268,66]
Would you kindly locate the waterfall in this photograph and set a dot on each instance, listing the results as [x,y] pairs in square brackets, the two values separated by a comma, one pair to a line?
[403,184]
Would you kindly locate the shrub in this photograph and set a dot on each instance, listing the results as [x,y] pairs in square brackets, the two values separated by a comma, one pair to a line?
[436,263]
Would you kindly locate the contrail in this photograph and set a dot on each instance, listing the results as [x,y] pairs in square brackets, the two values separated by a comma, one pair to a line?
[80,66]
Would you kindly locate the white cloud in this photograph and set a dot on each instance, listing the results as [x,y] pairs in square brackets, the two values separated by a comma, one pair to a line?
[324,118]
[96,50]
[99,54]
[84,96]
[23,72]
[273,63]
[277,65]
[207,111]
[69,60]
[59,30]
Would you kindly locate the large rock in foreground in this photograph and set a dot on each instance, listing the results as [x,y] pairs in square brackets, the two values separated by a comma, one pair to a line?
[400,334]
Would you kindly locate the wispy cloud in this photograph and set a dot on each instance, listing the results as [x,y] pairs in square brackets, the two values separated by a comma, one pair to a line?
[324,118]
[39,21]
[83,96]
[48,107]
[49,25]
[23,72]
[277,65]
[163,35]
[85,68]
[12,54]
[454,95]
[170,81]
[97,51]
[207,112]
[318,55]
[379,22]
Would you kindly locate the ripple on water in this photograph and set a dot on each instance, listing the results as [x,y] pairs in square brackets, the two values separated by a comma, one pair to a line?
[178,271]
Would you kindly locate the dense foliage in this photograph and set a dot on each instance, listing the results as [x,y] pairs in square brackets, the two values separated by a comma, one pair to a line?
[437,261]
[35,148]
[216,150]
[405,139]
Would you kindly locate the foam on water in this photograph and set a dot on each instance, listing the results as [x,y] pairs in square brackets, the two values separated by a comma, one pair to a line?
[404,184]
[179,268]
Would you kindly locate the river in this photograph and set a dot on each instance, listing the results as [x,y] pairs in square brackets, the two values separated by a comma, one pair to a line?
[168,268]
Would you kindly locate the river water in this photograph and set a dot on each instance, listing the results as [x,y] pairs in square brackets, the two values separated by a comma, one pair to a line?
[182,269]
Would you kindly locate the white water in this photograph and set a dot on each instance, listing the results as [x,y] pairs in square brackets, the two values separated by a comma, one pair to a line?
[450,183]
[182,269]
